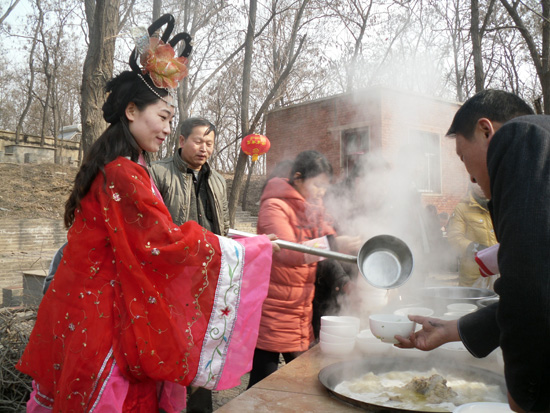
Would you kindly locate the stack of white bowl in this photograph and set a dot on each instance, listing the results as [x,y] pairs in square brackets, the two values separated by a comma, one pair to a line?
[337,334]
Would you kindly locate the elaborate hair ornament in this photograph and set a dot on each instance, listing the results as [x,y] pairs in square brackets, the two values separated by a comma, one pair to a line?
[157,56]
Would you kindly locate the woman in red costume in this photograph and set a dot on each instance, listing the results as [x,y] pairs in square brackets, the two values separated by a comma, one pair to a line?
[139,307]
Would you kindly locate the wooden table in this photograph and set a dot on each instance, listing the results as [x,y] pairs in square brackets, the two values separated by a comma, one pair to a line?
[292,388]
[296,388]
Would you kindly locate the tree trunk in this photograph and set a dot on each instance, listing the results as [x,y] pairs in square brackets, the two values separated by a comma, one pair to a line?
[98,68]
[250,171]
[8,11]
[30,89]
[157,8]
[545,78]
[540,60]
[476,47]
[48,74]
[241,161]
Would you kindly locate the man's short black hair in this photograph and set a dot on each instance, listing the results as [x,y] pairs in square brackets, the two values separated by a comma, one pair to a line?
[190,123]
[495,105]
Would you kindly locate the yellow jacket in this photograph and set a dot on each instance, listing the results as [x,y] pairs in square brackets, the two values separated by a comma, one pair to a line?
[469,222]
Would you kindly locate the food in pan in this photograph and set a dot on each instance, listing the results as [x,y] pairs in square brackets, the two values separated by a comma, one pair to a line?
[429,391]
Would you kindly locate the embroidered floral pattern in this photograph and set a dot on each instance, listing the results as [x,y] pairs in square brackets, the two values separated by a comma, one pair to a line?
[224,315]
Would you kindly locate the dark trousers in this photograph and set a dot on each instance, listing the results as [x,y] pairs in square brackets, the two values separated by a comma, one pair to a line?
[267,362]
[199,400]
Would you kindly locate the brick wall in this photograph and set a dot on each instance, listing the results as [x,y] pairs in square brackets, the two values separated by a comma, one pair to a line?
[27,244]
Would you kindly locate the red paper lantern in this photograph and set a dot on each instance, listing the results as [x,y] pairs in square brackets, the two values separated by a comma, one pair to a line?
[255,145]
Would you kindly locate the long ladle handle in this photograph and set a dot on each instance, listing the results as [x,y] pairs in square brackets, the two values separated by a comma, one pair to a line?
[299,247]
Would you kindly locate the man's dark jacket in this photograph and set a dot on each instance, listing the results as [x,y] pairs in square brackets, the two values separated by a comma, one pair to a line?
[518,160]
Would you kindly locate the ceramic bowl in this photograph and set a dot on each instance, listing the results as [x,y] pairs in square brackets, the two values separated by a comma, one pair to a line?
[386,326]
[462,307]
[331,338]
[335,320]
[454,315]
[344,330]
[366,342]
[423,311]
[337,349]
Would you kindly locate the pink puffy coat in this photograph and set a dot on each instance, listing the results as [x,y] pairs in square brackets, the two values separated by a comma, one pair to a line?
[287,311]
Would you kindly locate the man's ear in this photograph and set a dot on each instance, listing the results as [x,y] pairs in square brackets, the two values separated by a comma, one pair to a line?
[297,175]
[487,128]
[130,111]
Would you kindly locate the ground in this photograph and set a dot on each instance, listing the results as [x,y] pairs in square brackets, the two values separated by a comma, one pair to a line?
[34,190]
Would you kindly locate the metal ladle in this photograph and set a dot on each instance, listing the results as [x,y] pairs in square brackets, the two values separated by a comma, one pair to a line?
[384,261]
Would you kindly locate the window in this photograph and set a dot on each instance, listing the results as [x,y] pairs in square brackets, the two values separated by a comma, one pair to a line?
[355,143]
[426,158]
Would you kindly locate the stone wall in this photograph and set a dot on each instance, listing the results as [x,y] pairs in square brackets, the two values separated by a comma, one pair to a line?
[28,149]
[26,244]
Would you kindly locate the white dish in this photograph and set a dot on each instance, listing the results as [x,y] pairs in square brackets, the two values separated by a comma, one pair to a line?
[462,307]
[368,343]
[483,407]
[423,311]
[455,315]
[366,335]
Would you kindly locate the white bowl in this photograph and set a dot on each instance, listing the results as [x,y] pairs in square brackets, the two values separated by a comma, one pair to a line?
[337,349]
[455,315]
[423,311]
[368,343]
[366,335]
[483,407]
[335,320]
[462,307]
[344,330]
[331,338]
[386,326]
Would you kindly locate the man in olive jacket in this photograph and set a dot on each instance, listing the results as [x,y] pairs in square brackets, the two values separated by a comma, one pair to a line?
[192,191]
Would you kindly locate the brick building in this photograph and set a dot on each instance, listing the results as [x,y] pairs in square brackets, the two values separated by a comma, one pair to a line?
[403,128]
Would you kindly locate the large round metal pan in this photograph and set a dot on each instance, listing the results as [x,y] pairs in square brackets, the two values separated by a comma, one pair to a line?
[334,374]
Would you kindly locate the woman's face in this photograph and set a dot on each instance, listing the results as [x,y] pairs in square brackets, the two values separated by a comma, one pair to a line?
[313,189]
[152,125]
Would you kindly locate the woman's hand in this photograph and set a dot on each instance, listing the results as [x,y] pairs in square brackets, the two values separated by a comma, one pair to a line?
[273,237]
[434,333]
[347,244]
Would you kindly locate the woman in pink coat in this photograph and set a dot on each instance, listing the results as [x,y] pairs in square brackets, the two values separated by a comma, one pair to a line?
[293,210]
